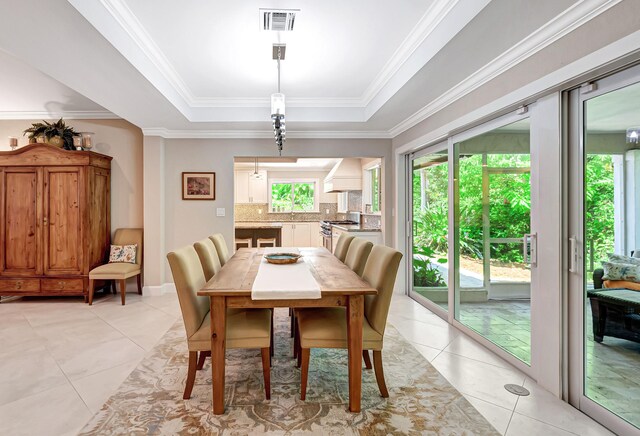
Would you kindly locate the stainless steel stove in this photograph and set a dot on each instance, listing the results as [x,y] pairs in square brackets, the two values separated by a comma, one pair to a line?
[326,232]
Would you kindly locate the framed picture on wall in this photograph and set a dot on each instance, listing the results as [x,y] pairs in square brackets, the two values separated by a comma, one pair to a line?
[198,186]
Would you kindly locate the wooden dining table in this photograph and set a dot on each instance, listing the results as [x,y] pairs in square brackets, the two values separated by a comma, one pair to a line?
[339,286]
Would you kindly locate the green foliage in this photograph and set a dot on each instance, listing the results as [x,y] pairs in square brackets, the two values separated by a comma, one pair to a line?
[599,208]
[287,197]
[425,274]
[49,130]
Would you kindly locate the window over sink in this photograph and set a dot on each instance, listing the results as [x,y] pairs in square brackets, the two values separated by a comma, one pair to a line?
[293,195]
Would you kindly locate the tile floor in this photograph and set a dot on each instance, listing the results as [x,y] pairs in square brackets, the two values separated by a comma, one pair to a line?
[64,359]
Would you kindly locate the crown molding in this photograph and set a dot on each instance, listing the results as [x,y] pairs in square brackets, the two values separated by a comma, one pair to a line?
[420,32]
[261,134]
[69,115]
[564,23]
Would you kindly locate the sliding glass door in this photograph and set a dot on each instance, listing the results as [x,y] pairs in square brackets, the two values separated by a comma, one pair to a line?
[494,249]
[429,267]
[604,230]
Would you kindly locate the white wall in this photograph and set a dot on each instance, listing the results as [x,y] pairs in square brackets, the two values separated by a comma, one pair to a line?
[117,138]
[188,221]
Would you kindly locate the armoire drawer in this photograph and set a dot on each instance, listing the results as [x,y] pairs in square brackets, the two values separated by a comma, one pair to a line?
[61,285]
[20,285]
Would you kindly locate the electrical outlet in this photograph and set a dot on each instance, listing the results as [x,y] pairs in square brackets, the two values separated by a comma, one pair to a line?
[259,211]
[326,211]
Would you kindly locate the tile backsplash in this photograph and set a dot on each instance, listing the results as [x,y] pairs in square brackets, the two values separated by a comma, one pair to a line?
[373,221]
[251,212]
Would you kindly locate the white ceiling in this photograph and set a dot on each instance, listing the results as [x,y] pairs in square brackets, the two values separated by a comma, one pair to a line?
[363,68]
[306,164]
[615,111]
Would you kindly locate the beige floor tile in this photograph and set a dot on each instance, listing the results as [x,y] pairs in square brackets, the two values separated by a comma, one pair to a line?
[97,388]
[478,379]
[467,347]
[54,412]
[429,353]
[499,417]
[28,373]
[16,334]
[521,425]
[544,406]
[426,334]
[81,360]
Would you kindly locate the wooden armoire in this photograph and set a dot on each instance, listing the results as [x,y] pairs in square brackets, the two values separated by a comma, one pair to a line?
[54,219]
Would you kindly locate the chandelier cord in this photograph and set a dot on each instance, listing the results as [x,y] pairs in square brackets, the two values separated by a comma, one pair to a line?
[279,69]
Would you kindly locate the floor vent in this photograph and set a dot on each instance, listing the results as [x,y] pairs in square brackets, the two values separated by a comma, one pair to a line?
[278,19]
[517,390]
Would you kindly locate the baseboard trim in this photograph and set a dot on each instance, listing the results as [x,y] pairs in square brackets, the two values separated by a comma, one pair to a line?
[156,291]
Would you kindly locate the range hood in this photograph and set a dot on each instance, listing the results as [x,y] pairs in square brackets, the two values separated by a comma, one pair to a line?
[346,175]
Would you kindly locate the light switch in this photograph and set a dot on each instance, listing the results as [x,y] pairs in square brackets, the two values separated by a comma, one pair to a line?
[220,211]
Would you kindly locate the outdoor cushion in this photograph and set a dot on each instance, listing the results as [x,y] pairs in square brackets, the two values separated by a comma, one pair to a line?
[622,284]
[621,271]
[245,329]
[115,271]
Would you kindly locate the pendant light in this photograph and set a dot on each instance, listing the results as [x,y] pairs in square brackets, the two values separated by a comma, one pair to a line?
[277,102]
[256,175]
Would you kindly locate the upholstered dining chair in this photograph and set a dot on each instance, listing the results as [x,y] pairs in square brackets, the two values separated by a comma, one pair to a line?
[342,246]
[208,256]
[327,327]
[245,328]
[221,247]
[357,255]
[120,271]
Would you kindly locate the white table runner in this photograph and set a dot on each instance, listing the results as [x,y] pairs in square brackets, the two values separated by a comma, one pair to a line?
[284,282]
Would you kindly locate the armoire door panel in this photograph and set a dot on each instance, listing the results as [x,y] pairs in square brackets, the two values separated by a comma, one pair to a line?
[21,237]
[63,220]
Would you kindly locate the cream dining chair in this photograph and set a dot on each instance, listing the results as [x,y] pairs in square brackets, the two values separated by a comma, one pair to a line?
[245,329]
[221,247]
[342,246]
[120,271]
[357,255]
[327,327]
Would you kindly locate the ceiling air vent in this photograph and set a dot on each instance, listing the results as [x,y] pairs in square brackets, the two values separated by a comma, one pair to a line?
[278,19]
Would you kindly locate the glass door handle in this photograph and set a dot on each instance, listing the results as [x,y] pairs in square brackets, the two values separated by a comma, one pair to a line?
[530,248]
[573,254]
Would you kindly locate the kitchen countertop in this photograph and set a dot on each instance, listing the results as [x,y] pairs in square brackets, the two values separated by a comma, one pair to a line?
[355,228]
[254,225]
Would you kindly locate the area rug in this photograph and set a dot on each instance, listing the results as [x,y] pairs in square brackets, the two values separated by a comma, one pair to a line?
[420,401]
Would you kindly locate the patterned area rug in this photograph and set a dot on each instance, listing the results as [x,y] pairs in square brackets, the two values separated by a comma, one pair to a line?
[420,400]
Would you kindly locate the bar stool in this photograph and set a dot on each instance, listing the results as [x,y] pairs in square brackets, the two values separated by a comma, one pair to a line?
[266,242]
[242,241]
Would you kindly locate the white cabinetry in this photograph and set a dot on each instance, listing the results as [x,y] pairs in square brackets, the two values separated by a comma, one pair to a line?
[301,234]
[250,190]
[343,202]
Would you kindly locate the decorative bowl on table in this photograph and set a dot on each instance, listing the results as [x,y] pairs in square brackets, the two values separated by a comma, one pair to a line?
[282,258]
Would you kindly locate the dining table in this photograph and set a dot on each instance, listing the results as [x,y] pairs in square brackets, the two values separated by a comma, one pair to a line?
[339,286]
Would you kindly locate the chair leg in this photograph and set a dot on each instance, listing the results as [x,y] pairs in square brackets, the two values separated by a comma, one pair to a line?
[113,287]
[202,357]
[293,322]
[123,289]
[91,290]
[139,284]
[191,375]
[367,359]
[296,339]
[377,363]
[266,371]
[304,374]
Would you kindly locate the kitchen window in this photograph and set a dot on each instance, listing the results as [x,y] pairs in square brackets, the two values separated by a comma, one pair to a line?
[371,192]
[296,195]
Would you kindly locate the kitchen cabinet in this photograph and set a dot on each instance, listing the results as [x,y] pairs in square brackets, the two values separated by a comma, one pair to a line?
[301,234]
[343,202]
[250,190]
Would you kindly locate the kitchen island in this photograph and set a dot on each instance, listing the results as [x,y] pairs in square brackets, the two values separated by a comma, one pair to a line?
[255,230]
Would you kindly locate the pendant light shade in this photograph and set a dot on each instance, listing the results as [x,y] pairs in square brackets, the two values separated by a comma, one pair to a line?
[277,105]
